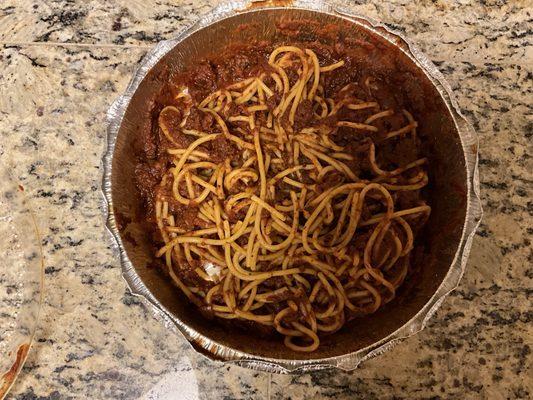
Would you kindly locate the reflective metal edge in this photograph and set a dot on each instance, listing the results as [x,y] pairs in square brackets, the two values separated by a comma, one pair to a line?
[216,351]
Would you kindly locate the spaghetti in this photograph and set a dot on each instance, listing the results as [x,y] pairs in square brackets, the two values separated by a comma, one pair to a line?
[273,206]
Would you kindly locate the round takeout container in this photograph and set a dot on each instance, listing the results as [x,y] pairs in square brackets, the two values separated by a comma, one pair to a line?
[454,195]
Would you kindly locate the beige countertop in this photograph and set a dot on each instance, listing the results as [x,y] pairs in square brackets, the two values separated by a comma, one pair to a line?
[63,62]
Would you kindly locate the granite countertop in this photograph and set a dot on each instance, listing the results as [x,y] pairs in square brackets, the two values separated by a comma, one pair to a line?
[63,62]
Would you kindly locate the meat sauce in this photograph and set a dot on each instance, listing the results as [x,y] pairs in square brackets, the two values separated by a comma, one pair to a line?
[371,70]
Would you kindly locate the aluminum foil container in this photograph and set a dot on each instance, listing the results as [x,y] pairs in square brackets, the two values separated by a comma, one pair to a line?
[456,209]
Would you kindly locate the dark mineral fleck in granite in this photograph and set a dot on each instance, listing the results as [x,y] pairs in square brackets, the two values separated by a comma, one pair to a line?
[63,62]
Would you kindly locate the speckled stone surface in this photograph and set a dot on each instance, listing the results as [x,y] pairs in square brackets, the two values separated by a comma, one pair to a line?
[61,65]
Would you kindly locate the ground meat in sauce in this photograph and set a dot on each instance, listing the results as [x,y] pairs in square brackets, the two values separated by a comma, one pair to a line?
[200,121]
[366,75]
[148,142]
[330,180]
[221,149]
[273,101]
[147,177]
[203,81]
[304,114]
[171,120]
[188,215]
[236,69]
